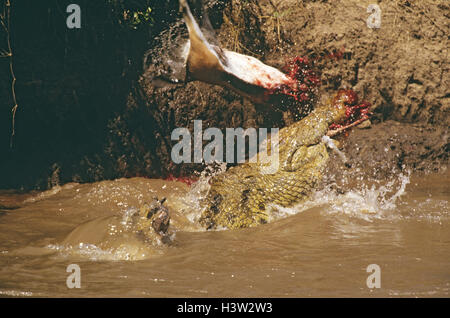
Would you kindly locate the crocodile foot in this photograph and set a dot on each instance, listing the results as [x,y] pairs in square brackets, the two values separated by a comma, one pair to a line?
[156,216]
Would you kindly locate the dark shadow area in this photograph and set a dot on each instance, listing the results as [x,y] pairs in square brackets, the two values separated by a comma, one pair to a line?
[70,84]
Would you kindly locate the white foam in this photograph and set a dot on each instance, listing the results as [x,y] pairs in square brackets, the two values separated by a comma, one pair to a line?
[363,203]
[199,191]
[95,253]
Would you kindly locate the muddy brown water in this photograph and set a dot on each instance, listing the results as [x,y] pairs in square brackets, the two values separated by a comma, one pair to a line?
[321,248]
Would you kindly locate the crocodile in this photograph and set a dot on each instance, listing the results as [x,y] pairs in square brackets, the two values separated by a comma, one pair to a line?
[241,196]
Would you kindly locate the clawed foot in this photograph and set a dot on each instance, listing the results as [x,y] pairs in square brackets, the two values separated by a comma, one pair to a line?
[158,218]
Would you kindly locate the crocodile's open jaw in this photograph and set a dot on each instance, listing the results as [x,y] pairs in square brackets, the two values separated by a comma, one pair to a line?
[355,113]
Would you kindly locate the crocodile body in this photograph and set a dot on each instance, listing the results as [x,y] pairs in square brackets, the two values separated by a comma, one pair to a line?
[239,197]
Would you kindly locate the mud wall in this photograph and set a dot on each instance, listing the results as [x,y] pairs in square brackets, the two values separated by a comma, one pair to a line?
[401,67]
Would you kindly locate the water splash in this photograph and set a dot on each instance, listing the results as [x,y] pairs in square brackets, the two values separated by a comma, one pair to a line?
[368,203]
[364,202]
[200,189]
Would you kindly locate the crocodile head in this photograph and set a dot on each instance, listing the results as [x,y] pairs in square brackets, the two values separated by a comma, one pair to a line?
[240,197]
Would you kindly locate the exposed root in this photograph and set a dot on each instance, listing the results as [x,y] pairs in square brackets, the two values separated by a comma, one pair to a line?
[5,21]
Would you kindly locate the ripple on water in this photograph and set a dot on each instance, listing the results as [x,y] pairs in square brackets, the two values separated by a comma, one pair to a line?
[16,293]
[94,253]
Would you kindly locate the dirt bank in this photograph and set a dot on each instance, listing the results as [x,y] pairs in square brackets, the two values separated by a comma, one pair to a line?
[386,149]
[402,68]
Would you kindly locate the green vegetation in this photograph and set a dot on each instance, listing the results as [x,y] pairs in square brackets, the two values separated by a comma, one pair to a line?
[133,14]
